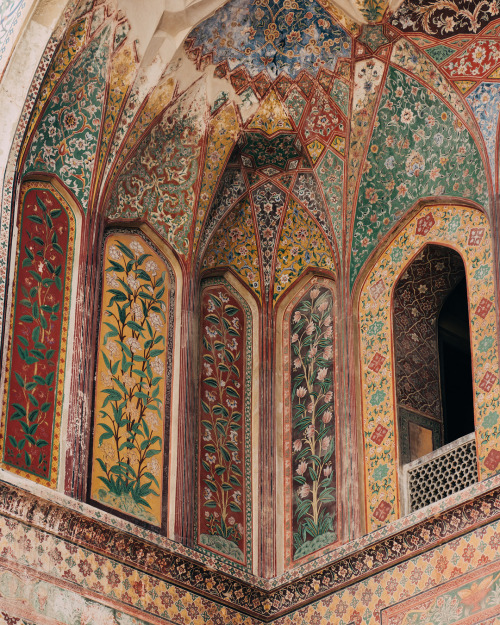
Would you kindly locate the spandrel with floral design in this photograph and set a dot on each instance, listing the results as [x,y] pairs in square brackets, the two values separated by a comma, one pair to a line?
[313,422]
[222,426]
[127,468]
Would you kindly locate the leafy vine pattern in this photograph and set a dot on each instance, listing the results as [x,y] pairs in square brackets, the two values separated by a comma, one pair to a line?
[128,441]
[37,332]
[222,424]
[313,425]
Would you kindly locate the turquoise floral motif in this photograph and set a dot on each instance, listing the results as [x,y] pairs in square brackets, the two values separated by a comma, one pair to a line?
[454,224]
[485,344]
[419,148]
[377,398]
[375,328]
[396,255]
[380,472]
[273,38]
[65,142]
[490,420]
[482,272]
[313,422]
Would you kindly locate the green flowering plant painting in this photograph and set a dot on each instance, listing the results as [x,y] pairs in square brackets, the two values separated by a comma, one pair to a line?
[222,428]
[313,423]
[130,386]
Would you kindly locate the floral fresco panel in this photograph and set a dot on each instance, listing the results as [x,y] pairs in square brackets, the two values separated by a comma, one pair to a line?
[234,245]
[65,142]
[444,19]
[310,482]
[158,180]
[485,104]
[225,428]
[133,379]
[419,148]
[37,347]
[302,245]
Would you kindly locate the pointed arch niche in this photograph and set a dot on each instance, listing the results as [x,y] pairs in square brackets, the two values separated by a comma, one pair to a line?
[465,230]
[228,441]
[306,415]
[133,464]
[39,336]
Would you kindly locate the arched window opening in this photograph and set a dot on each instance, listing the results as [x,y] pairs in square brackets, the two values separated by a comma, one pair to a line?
[455,360]
[432,353]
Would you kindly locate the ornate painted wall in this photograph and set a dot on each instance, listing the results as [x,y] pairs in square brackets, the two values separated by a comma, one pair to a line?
[287,160]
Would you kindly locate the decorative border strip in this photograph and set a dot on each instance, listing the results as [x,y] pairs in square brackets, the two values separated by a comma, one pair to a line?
[246,598]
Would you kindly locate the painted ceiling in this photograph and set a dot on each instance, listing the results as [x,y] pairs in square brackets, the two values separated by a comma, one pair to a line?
[274,117]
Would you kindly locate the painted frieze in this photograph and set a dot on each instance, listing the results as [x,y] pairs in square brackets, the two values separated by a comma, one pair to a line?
[309,422]
[307,191]
[122,73]
[38,347]
[269,205]
[133,380]
[330,173]
[419,148]
[467,231]
[224,509]
[222,133]
[71,44]
[271,116]
[478,60]
[368,76]
[231,187]
[66,140]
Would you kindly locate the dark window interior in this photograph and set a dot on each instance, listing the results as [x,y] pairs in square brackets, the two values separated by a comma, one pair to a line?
[455,365]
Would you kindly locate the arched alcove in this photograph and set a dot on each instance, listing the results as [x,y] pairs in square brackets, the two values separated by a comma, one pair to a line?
[466,230]
[432,352]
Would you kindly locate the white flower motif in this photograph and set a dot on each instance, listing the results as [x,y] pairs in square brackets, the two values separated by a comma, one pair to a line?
[137,248]
[114,253]
[157,365]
